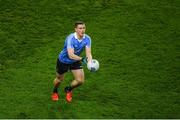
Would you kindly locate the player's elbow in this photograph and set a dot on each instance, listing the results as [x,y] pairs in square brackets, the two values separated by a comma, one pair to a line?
[70,55]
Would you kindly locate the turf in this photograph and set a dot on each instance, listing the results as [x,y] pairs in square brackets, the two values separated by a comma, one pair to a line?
[136,43]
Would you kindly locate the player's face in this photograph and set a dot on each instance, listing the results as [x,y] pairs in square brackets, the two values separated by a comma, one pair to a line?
[80,30]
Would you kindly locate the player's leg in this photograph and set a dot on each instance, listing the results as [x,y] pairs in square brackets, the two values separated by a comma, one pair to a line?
[78,80]
[59,78]
[60,70]
[78,74]
[57,81]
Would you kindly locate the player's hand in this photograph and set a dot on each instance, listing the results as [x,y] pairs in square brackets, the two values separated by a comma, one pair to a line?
[84,60]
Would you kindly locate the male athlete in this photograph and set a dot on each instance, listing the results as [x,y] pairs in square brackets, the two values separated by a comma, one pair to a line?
[69,59]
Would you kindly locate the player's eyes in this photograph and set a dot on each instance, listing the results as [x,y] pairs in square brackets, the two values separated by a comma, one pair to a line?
[82,28]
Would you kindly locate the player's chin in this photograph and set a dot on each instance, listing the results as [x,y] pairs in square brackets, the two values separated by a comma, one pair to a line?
[82,34]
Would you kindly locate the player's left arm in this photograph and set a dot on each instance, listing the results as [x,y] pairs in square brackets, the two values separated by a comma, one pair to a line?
[88,54]
[88,50]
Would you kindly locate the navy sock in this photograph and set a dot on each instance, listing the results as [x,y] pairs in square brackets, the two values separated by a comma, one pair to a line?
[68,89]
[55,90]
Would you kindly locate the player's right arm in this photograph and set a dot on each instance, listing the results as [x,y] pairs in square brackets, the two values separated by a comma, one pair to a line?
[70,49]
[72,55]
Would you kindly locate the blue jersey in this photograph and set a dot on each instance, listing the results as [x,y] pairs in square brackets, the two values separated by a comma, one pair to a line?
[78,45]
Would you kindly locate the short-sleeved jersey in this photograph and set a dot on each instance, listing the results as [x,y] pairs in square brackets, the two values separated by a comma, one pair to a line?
[72,41]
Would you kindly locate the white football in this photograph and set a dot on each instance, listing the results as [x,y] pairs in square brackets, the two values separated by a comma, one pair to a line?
[93,65]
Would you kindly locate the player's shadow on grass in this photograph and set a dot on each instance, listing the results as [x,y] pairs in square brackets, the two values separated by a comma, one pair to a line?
[22,115]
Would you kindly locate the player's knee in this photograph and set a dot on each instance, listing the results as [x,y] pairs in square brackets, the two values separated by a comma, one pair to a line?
[80,81]
[59,79]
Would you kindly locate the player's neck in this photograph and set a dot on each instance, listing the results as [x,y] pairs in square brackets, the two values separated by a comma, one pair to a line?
[79,37]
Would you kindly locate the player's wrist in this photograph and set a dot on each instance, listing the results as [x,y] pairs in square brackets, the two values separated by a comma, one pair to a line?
[84,60]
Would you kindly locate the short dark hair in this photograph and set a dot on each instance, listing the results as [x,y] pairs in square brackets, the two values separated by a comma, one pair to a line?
[78,23]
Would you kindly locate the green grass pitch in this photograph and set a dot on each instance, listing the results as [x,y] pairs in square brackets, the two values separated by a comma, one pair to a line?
[135,41]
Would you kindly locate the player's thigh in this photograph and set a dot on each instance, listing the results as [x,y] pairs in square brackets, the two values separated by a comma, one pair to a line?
[78,74]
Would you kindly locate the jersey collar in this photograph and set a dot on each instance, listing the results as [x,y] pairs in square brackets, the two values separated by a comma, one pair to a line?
[75,35]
